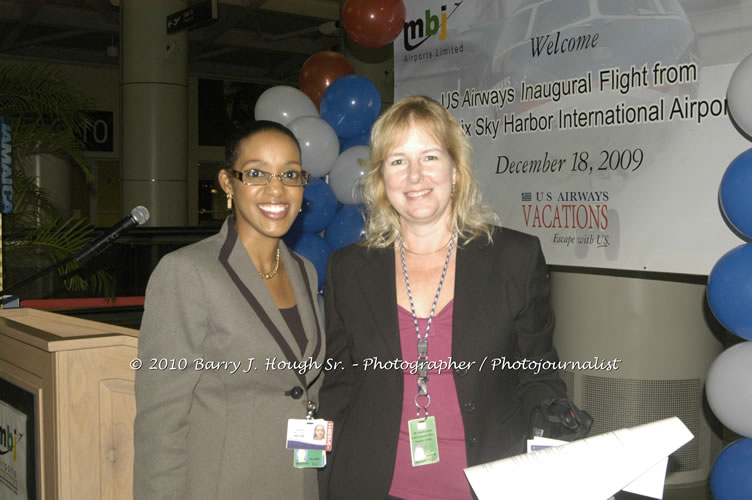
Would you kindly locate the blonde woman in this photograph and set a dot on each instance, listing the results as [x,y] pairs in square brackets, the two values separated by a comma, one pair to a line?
[417,313]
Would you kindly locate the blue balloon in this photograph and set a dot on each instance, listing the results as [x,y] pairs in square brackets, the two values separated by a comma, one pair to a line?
[362,139]
[735,193]
[346,227]
[730,290]
[730,478]
[350,105]
[312,247]
[319,207]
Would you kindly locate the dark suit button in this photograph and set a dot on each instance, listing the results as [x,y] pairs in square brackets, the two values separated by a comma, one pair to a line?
[473,440]
[296,392]
[469,407]
[461,372]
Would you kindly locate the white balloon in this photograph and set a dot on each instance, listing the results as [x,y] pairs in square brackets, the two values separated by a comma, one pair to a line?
[283,104]
[729,390]
[319,144]
[739,95]
[346,174]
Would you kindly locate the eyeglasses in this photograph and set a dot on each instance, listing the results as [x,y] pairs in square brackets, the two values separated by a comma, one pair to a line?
[256,177]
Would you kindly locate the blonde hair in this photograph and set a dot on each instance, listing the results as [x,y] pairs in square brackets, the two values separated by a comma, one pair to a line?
[470,216]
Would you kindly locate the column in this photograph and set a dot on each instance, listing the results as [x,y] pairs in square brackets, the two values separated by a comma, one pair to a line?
[154,93]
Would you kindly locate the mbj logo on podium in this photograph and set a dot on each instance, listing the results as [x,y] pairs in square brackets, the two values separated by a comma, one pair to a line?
[417,31]
[9,440]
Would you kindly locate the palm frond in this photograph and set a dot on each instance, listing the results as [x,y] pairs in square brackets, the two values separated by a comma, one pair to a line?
[46,113]
[58,239]
[38,93]
[30,205]
[36,138]
[50,242]
[99,282]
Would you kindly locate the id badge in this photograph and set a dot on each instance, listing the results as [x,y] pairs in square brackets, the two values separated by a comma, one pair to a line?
[306,459]
[314,434]
[424,445]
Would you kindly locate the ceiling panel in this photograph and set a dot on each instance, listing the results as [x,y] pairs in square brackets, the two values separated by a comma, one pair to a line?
[252,39]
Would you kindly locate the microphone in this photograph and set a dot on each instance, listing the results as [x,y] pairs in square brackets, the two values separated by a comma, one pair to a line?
[138,215]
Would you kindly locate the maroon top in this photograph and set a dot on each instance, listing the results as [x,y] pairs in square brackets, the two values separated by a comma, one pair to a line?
[445,479]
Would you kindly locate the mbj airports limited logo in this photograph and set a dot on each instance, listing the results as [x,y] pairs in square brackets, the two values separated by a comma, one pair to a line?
[9,439]
[419,30]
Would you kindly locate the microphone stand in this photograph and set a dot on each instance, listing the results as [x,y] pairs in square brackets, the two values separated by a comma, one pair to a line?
[33,277]
[138,215]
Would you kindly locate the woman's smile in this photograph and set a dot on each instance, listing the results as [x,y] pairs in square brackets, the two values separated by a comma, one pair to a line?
[274,210]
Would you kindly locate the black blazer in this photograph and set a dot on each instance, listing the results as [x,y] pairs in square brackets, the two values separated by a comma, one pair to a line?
[502,311]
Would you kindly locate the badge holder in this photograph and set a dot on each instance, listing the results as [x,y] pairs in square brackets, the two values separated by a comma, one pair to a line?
[309,438]
[307,459]
[424,444]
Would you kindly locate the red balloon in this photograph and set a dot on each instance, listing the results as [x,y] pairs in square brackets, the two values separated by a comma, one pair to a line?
[373,23]
[320,70]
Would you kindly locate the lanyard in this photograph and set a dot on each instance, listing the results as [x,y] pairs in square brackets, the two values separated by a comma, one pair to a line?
[423,343]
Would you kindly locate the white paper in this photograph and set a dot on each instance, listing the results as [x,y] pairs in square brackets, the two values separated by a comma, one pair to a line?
[594,468]
[650,484]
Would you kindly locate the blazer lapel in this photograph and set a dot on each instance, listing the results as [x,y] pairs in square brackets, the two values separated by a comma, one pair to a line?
[243,273]
[377,283]
[304,299]
[471,276]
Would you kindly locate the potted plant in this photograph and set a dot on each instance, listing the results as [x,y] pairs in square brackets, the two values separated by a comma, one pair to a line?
[47,116]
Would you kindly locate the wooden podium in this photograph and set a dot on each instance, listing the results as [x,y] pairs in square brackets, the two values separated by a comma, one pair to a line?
[83,391]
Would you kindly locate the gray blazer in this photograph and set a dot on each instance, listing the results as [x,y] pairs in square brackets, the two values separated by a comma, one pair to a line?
[207,427]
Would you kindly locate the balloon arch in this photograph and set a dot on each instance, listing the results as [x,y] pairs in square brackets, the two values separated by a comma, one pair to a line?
[729,382]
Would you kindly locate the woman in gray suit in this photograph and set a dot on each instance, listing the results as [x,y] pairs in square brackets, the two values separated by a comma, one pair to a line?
[229,324]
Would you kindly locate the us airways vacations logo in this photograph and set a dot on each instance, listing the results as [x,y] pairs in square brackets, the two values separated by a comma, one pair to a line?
[421,29]
[583,210]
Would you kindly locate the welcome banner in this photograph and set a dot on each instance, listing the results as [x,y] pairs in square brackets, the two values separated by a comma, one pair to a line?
[600,126]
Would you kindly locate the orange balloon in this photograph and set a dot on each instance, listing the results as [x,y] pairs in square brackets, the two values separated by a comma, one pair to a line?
[373,23]
[320,70]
